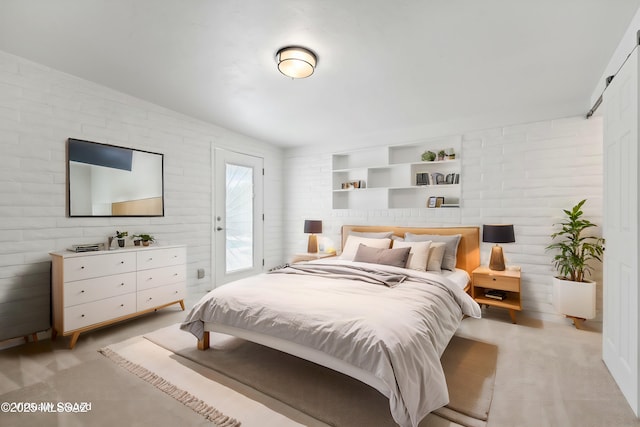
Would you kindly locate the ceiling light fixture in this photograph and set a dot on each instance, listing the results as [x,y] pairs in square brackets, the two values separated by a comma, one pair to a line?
[296,62]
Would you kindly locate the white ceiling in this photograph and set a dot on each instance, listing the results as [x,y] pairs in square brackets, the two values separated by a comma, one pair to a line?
[383,65]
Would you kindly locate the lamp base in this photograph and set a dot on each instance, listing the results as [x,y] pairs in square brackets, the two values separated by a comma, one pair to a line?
[497,259]
[312,247]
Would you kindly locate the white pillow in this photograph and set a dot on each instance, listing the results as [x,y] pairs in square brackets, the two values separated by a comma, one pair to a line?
[436,254]
[353,242]
[418,254]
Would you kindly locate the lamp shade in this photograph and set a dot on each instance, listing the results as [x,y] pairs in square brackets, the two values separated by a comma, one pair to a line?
[296,62]
[498,233]
[312,226]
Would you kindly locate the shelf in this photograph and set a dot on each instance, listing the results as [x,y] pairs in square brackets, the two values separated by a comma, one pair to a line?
[393,171]
[505,303]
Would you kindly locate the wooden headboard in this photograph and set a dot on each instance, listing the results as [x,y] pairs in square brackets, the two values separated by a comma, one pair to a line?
[468,249]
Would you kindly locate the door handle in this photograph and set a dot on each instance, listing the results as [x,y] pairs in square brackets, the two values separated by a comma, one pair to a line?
[219,228]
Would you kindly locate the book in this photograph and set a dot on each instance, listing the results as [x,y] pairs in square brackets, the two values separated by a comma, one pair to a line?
[495,294]
[87,247]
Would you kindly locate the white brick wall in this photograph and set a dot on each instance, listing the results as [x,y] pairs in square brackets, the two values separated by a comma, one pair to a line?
[523,174]
[39,109]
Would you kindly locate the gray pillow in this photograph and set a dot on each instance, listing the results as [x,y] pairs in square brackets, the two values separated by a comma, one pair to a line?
[372,235]
[450,250]
[395,257]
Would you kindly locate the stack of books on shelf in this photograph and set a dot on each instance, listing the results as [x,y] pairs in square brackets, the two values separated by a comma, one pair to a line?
[495,294]
[437,178]
[87,247]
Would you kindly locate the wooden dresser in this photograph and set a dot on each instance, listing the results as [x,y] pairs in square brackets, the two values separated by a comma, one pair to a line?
[94,289]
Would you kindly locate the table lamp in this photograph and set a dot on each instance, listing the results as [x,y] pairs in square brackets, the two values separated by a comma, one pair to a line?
[497,233]
[312,227]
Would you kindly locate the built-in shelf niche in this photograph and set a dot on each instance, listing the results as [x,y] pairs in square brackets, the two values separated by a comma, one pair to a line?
[386,177]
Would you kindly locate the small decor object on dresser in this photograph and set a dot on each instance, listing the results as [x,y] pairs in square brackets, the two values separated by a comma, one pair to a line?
[121,235]
[146,239]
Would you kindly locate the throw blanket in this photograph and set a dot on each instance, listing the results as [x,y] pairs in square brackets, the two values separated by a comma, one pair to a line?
[395,333]
[334,271]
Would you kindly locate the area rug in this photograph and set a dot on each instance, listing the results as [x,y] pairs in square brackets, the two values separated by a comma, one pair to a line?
[328,396]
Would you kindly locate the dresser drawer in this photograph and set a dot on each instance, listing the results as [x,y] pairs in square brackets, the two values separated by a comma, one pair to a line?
[161,276]
[82,315]
[511,284]
[155,258]
[86,267]
[84,291]
[161,295]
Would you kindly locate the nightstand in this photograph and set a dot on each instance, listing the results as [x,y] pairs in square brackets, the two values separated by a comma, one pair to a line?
[308,256]
[506,283]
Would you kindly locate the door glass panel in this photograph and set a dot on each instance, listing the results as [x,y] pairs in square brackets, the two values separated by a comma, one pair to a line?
[239,217]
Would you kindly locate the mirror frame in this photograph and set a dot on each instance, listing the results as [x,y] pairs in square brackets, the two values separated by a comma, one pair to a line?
[68,163]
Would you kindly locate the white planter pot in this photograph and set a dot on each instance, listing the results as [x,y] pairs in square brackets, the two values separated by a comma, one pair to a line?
[575,299]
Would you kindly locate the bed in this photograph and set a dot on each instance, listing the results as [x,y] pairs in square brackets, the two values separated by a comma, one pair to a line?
[387,329]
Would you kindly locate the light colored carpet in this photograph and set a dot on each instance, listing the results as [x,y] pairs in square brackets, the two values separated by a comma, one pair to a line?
[328,396]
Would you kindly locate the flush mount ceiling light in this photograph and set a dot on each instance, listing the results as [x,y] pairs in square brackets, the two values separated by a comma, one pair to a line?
[296,62]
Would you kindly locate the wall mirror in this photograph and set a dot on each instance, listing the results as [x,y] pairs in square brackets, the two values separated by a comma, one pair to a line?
[106,180]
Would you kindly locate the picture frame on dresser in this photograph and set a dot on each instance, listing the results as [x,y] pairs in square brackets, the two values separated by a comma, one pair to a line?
[99,288]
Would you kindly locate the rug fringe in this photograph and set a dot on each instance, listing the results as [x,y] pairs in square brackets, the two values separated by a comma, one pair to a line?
[182,396]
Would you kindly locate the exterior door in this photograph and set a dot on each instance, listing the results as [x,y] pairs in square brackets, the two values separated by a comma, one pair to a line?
[238,216]
[620,287]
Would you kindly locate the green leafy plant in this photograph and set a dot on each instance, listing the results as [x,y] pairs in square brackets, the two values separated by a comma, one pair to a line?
[145,237]
[576,250]
[121,234]
[428,156]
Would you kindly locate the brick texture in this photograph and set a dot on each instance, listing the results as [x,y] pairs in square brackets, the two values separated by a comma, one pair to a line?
[39,109]
[524,174]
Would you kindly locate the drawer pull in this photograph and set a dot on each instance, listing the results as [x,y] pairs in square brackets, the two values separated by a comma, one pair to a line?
[150,259]
[122,284]
[82,291]
[82,268]
[82,315]
[121,305]
[494,279]
[121,262]
[150,298]
[175,274]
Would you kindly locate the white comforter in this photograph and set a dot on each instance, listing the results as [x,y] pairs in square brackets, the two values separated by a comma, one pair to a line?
[396,333]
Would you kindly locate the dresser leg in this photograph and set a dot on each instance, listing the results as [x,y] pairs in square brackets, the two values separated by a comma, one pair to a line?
[74,339]
[512,313]
[35,337]
[54,334]
[181,304]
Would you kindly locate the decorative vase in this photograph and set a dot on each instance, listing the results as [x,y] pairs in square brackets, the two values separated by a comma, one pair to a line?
[145,243]
[137,242]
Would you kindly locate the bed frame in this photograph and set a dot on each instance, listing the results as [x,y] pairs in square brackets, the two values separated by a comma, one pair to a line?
[468,259]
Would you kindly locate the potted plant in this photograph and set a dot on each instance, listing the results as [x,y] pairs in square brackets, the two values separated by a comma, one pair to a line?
[121,235]
[450,154]
[428,156]
[146,239]
[441,155]
[574,295]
